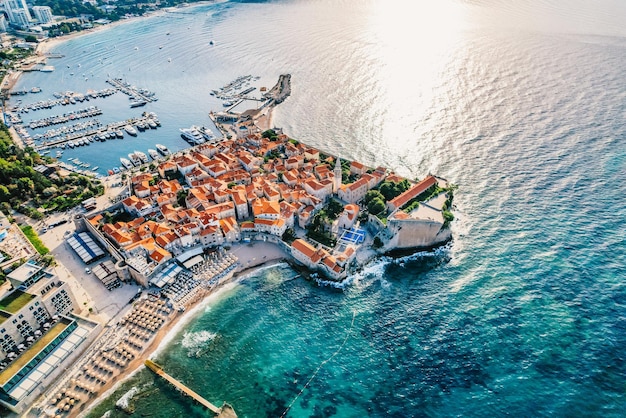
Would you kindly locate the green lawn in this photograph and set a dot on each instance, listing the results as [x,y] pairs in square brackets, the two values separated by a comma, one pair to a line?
[34,239]
[15,301]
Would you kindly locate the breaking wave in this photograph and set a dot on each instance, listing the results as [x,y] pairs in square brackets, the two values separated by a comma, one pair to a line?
[197,342]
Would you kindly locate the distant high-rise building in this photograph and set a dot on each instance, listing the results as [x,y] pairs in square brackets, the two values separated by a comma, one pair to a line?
[18,12]
[20,18]
[3,23]
[43,14]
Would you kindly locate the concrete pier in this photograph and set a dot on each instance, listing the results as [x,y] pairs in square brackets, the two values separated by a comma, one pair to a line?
[226,411]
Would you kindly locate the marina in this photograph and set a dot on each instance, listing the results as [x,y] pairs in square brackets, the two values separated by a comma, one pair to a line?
[61,99]
[66,117]
[109,131]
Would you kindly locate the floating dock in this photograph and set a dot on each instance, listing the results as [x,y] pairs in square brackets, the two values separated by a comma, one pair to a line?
[226,411]
[137,94]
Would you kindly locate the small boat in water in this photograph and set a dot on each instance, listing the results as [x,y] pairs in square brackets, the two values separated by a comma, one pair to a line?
[126,163]
[138,103]
[162,149]
[153,153]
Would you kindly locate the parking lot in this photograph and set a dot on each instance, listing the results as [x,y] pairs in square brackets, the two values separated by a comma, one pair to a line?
[89,291]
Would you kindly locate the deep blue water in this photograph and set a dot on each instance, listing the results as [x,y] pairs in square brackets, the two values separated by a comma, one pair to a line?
[522,105]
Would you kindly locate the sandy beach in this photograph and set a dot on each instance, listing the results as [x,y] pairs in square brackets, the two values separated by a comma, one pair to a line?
[251,257]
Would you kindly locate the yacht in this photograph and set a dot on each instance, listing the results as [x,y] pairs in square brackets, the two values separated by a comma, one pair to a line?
[119,134]
[126,163]
[191,135]
[162,149]
[206,133]
[142,156]
[152,124]
[153,153]
[130,130]
[134,158]
[138,103]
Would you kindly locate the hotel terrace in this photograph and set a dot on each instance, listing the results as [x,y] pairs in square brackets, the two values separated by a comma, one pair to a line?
[39,335]
[222,192]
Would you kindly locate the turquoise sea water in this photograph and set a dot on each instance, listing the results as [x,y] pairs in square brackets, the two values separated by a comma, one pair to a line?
[522,105]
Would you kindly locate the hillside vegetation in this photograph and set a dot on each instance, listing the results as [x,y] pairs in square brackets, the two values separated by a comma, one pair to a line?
[30,192]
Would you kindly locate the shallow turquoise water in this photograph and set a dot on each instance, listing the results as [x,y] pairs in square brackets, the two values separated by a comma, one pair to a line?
[522,105]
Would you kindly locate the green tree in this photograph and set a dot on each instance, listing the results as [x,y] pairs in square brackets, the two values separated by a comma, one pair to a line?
[289,235]
[333,209]
[180,198]
[4,194]
[26,185]
[372,194]
[376,206]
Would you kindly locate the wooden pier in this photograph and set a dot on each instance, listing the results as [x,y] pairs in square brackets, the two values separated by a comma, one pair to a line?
[226,411]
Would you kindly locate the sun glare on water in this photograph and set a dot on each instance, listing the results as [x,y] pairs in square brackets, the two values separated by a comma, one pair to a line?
[417,46]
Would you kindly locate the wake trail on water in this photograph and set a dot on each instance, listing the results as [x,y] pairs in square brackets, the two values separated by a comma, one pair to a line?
[321,365]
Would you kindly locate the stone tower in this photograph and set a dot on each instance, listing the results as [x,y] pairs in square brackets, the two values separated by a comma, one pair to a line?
[337,173]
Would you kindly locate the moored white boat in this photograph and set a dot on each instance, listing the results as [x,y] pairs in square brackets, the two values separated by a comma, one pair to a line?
[142,156]
[162,149]
[130,130]
[134,159]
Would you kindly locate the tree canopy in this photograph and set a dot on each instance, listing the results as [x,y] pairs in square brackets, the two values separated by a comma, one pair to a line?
[27,190]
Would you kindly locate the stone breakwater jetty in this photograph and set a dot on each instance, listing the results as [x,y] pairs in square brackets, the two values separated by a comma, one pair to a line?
[281,90]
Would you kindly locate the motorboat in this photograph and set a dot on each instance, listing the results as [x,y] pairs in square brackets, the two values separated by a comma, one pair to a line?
[162,149]
[142,156]
[126,163]
[134,158]
[130,130]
